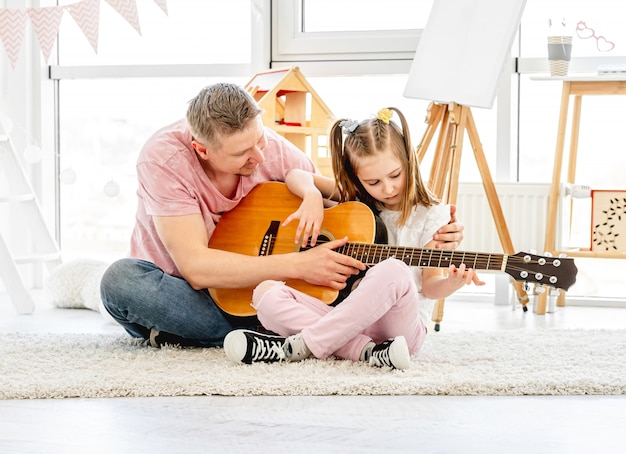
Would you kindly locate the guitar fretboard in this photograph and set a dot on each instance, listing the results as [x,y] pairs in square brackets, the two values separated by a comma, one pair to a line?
[371,254]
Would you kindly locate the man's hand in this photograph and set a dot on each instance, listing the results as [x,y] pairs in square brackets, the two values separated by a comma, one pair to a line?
[321,265]
[450,235]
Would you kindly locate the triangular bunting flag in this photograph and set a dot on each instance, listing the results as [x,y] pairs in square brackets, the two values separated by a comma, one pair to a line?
[45,22]
[12,25]
[128,10]
[162,4]
[87,16]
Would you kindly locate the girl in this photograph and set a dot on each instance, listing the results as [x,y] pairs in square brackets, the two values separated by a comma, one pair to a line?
[384,319]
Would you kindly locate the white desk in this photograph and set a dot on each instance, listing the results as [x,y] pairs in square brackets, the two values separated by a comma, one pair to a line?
[576,86]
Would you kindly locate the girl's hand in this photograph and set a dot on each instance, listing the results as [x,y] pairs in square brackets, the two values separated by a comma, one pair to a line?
[458,277]
[450,235]
[311,215]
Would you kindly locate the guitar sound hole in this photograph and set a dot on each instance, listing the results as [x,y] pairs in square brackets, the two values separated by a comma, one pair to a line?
[321,239]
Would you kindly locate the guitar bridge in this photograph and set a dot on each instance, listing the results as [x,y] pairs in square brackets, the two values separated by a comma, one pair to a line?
[269,239]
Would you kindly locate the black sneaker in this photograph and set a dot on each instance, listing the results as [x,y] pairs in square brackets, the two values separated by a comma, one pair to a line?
[158,339]
[392,353]
[245,346]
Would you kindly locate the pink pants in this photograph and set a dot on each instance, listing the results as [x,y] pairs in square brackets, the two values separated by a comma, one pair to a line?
[384,305]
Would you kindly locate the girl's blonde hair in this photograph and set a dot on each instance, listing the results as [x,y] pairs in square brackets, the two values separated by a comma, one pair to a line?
[350,141]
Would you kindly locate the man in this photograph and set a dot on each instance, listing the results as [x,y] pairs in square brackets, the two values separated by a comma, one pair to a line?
[189,174]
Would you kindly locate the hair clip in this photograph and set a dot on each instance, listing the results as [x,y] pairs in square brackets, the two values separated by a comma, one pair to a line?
[348,126]
[384,115]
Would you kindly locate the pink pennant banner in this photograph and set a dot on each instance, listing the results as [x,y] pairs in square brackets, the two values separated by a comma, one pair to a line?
[87,17]
[12,25]
[45,22]
[162,4]
[128,10]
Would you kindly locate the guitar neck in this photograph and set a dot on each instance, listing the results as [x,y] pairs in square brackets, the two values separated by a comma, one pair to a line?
[371,254]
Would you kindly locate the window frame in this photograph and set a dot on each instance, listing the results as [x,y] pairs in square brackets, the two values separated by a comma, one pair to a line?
[350,52]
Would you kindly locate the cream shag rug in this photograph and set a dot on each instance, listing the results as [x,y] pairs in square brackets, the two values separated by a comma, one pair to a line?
[516,362]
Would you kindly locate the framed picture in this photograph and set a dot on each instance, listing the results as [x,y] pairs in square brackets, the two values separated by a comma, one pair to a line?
[608,221]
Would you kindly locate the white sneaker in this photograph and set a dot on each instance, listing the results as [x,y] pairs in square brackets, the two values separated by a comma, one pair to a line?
[295,348]
[391,353]
[245,346]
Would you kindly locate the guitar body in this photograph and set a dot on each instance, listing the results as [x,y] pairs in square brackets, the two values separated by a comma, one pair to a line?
[244,230]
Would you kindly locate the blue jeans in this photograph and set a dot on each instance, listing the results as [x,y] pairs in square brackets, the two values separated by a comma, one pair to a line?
[141,297]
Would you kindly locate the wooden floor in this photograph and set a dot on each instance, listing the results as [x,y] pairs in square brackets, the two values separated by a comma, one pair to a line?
[415,424]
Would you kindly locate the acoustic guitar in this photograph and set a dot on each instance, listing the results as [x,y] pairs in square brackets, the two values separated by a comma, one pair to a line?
[254,228]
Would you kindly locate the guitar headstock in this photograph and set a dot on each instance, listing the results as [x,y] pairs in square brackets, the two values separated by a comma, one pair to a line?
[556,272]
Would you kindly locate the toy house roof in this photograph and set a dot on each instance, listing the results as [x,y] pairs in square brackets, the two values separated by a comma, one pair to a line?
[269,85]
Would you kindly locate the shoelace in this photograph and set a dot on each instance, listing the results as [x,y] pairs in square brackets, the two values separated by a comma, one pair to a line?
[267,349]
[381,358]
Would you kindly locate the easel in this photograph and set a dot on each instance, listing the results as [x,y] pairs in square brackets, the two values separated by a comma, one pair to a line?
[454,120]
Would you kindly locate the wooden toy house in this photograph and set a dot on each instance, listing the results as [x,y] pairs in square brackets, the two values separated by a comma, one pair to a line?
[294,110]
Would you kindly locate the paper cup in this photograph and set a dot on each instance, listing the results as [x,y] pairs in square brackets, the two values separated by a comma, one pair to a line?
[559,54]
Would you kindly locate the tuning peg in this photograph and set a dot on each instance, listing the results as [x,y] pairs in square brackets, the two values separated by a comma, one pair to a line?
[554,291]
[533,251]
[557,262]
[547,254]
[526,287]
[539,289]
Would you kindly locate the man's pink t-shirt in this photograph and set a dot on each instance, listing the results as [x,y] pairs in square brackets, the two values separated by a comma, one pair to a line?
[173,183]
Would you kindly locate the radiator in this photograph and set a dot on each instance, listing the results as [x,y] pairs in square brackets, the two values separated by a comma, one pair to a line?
[524,206]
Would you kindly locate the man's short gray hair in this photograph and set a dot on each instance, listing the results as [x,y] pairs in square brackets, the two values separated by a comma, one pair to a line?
[220,109]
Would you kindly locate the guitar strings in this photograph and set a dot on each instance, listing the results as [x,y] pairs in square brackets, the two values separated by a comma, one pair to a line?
[486,256]
[479,260]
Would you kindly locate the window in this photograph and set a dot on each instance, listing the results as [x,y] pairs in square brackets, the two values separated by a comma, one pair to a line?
[348,31]
[111,101]
[192,32]
[104,123]
[363,15]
